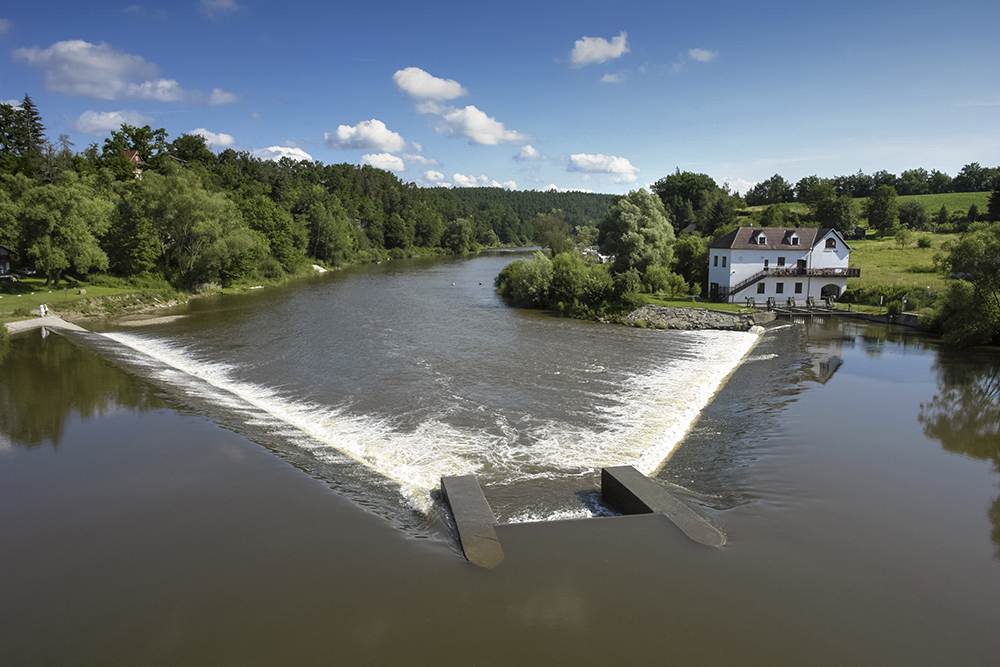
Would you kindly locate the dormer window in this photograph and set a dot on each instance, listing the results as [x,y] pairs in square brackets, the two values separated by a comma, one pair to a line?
[761,239]
[831,243]
[794,240]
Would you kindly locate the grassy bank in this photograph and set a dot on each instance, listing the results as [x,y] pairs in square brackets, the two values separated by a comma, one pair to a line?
[21,300]
[669,302]
[952,201]
[883,262]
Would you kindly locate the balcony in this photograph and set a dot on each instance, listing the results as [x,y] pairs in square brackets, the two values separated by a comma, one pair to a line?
[790,271]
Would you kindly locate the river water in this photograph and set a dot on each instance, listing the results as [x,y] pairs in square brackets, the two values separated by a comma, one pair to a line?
[256,483]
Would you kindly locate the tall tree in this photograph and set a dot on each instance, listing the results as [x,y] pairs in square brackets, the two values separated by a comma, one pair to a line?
[883,210]
[637,231]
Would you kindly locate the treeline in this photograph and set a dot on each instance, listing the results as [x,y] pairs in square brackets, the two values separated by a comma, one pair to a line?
[143,205]
[973,177]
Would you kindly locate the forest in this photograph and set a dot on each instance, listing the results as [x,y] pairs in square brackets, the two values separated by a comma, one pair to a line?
[144,206]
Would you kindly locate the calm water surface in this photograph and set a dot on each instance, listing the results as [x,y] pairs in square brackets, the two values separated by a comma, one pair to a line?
[254,484]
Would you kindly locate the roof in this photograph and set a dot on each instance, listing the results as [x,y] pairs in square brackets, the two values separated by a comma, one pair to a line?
[778,238]
[9,251]
[133,156]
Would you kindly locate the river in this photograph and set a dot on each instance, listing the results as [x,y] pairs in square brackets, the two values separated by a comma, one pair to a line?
[256,482]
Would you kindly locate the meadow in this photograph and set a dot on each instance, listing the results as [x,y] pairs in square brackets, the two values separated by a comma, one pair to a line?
[952,201]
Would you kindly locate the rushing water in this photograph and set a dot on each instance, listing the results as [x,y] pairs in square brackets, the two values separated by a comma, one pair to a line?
[149,514]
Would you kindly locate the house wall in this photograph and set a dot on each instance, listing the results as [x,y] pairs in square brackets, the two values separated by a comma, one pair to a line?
[811,286]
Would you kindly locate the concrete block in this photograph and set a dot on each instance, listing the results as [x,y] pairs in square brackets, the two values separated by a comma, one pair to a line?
[474,520]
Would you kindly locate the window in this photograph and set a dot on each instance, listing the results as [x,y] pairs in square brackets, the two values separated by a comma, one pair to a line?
[723,261]
[760,288]
[715,261]
[795,240]
[831,243]
[779,288]
[761,240]
[781,261]
[798,288]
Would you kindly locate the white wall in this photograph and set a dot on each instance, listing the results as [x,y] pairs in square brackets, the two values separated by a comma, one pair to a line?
[810,287]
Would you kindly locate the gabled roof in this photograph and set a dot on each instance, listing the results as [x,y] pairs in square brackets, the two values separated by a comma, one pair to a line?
[776,238]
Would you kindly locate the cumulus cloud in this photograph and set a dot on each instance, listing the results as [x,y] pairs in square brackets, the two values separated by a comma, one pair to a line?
[527,153]
[433,176]
[594,50]
[218,96]
[474,124]
[597,163]
[612,78]
[5,26]
[419,159]
[101,122]
[277,152]
[738,184]
[214,139]
[702,55]
[216,8]
[79,67]
[483,181]
[417,83]
[368,134]
[384,161]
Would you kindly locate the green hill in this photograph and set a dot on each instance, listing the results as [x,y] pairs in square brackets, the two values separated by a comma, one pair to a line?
[953,201]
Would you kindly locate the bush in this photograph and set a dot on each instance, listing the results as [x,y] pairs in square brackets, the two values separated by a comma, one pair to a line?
[526,283]
[924,242]
[965,318]
[871,295]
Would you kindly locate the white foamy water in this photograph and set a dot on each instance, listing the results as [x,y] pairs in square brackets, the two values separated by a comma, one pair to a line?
[642,423]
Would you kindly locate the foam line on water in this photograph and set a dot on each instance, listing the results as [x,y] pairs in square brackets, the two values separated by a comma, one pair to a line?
[415,461]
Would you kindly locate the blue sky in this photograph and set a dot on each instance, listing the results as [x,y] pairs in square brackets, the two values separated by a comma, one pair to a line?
[609,96]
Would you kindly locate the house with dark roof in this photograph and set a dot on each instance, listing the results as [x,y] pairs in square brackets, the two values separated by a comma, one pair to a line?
[786,265]
[5,255]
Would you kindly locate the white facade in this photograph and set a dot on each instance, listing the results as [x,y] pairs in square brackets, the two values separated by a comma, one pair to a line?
[779,264]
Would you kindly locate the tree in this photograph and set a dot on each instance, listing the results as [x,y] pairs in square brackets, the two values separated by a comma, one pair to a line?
[149,144]
[938,182]
[61,226]
[691,259]
[914,182]
[286,238]
[835,211]
[993,208]
[809,188]
[459,236]
[779,215]
[973,177]
[941,218]
[191,148]
[428,225]
[913,215]
[774,190]
[882,210]
[903,237]
[552,232]
[973,214]
[132,243]
[721,213]
[682,194]
[525,283]
[637,232]
[970,312]
[398,234]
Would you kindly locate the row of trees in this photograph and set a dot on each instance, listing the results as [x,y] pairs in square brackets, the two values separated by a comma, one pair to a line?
[973,177]
[142,204]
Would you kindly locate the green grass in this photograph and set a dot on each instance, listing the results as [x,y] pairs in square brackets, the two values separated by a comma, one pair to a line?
[953,201]
[882,262]
[671,302]
[20,300]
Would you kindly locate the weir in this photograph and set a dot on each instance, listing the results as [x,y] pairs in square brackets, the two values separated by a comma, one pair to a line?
[623,488]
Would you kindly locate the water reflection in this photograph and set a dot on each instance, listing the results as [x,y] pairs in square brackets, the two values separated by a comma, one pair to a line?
[964,414]
[46,381]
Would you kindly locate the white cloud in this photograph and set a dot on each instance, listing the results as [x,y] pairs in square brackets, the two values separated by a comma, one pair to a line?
[433,176]
[218,96]
[597,163]
[478,127]
[612,78]
[161,90]
[370,134]
[527,153]
[738,184]
[417,147]
[12,103]
[384,161]
[277,152]
[5,26]
[100,122]
[593,50]
[419,159]
[415,82]
[79,67]
[702,55]
[214,139]
[483,181]
[214,8]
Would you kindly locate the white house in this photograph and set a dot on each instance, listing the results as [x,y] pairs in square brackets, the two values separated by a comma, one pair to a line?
[772,262]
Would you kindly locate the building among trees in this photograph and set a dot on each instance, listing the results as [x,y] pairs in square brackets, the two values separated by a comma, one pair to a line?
[779,263]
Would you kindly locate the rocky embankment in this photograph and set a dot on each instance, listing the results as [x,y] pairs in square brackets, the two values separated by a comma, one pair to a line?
[693,319]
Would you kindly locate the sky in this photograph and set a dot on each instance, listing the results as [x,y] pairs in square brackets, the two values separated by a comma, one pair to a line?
[599,96]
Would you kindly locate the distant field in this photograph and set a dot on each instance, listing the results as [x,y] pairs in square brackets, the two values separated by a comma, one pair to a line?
[882,262]
[953,201]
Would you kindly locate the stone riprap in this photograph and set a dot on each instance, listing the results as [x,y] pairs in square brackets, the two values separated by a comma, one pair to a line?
[693,319]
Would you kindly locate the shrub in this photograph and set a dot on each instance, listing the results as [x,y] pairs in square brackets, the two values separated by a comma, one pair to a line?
[924,242]
[526,283]
[871,295]
[965,318]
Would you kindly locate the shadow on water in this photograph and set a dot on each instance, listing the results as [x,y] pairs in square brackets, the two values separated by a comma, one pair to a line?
[964,415]
[46,381]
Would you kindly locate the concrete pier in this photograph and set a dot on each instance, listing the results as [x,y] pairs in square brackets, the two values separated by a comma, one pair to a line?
[474,519]
[50,322]
[630,492]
